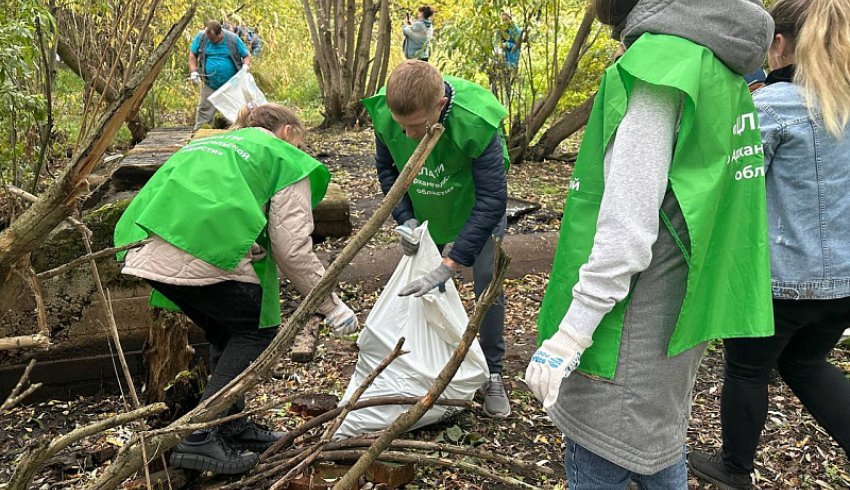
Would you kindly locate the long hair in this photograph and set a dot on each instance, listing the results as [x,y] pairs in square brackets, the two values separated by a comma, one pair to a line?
[820,33]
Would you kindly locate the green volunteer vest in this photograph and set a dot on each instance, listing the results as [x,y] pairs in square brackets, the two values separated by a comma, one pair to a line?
[443,193]
[717,176]
[210,200]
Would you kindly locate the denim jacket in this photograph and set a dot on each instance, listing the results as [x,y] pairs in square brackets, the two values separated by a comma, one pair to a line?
[808,195]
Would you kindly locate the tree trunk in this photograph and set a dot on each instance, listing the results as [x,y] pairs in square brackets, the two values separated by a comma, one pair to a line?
[167,352]
[562,129]
[522,134]
[342,42]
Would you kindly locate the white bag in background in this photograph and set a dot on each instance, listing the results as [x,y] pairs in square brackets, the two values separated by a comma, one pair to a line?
[231,97]
[432,327]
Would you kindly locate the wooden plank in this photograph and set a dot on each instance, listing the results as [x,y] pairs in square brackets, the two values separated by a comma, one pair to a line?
[304,347]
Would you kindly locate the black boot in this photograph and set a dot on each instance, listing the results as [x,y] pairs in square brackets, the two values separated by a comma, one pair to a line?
[710,468]
[208,451]
[247,435]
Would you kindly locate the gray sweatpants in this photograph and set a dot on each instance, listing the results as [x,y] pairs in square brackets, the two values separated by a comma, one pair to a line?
[205,114]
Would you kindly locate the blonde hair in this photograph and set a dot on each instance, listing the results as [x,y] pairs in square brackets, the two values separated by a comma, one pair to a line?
[820,33]
[269,116]
[414,85]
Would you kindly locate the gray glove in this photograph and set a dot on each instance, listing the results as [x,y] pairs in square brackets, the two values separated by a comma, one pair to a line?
[426,283]
[409,248]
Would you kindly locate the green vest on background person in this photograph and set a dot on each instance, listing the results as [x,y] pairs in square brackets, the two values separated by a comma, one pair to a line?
[717,176]
[443,193]
[211,197]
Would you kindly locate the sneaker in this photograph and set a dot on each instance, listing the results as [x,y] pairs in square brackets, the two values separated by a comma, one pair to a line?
[710,468]
[249,436]
[496,403]
[212,453]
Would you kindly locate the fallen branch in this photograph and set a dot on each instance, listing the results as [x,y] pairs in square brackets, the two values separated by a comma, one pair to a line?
[408,418]
[129,462]
[26,469]
[25,342]
[223,420]
[318,420]
[524,467]
[89,257]
[314,451]
[16,396]
[399,457]
[270,466]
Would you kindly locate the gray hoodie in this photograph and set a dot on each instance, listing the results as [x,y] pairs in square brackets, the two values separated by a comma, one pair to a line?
[736,31]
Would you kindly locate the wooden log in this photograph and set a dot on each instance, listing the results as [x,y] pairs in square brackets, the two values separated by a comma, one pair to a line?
[304,347]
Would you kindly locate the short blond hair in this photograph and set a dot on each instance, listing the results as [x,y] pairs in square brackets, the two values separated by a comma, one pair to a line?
[414,85]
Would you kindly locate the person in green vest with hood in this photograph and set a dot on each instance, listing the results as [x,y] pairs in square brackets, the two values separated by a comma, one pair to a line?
[461,191]
[663,244]
[222,215]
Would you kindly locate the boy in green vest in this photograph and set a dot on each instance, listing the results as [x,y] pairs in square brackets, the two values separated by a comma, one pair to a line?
[222,215]
[663,244]
[461,191]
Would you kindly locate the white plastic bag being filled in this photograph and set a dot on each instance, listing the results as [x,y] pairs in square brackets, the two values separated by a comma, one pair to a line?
[432,327]
[235,94]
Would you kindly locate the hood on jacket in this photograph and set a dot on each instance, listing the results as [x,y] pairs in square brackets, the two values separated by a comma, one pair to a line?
[738,32]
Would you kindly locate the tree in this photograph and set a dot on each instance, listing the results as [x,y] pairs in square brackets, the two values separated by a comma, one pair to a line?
[344,63]
[552,77]
[523,133]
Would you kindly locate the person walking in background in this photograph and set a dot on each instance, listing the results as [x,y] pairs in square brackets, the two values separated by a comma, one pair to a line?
[663,244]
[418,35]
[215,55]
[803,111]
[223,214]
[511,38]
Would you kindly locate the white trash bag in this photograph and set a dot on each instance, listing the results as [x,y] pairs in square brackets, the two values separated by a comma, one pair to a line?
[235,94]
[432,327]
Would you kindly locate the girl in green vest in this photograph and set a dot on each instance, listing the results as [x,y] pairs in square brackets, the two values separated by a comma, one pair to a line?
[663,241]
[223,214]
[804,110]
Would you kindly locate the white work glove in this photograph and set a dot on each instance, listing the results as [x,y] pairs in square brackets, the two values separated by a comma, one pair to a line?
[195,77]
[245,66]
[342,320]
[424,285]
[556,359]
[409,241]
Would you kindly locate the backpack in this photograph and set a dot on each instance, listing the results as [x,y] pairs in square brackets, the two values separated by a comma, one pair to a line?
[230,39]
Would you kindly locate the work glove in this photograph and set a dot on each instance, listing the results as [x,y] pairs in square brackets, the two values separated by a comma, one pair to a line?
[409,241]
[554,360]
[426,283]
[342,320]
[195,77]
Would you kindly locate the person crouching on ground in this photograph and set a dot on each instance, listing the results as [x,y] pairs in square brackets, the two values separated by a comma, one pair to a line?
[663,243]
[223,214]
[462,190]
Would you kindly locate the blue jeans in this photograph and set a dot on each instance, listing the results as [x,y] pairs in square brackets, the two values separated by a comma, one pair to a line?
[587,471]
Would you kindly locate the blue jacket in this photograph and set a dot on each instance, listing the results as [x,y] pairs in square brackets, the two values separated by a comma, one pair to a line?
[808,205]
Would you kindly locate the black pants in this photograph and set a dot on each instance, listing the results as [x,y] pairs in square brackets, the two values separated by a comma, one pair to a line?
[806,332]
[229,314]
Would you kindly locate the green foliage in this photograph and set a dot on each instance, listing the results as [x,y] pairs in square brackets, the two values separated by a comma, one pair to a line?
[469,45]
[22,102]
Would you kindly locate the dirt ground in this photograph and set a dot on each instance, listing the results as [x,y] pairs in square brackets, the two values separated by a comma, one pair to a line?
[795,452]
